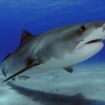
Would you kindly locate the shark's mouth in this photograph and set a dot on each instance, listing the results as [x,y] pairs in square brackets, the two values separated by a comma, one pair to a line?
[94,41]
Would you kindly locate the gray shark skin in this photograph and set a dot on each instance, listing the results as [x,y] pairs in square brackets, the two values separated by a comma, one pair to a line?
[58,48]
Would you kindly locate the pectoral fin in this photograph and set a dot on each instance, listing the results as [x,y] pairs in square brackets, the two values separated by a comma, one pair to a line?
[23,70]
[69,69]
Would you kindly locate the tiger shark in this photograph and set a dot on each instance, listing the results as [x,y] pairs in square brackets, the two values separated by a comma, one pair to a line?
[58,48]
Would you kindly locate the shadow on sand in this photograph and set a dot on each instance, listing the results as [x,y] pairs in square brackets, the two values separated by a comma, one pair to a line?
[48,98]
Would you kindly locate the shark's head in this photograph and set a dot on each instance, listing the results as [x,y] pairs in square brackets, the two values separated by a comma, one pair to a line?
[90,40]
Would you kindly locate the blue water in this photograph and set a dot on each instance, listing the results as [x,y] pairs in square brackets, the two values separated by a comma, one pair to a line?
[38,16]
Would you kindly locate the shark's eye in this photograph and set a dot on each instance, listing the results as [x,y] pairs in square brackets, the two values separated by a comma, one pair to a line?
[83,28]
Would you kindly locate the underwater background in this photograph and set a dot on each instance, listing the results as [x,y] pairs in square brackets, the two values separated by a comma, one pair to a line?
[85,86]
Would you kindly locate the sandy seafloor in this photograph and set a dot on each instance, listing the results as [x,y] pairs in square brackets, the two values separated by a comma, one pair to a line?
[85,86]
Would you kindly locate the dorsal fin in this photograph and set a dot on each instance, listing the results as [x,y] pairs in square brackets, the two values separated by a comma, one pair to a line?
[26,36]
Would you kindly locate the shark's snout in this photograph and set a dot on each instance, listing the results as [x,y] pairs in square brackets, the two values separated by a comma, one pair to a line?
[104,32]
[103,27]
[97,35]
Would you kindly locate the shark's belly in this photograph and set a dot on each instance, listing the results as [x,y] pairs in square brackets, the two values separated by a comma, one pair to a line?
[55,63]
[69,59]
